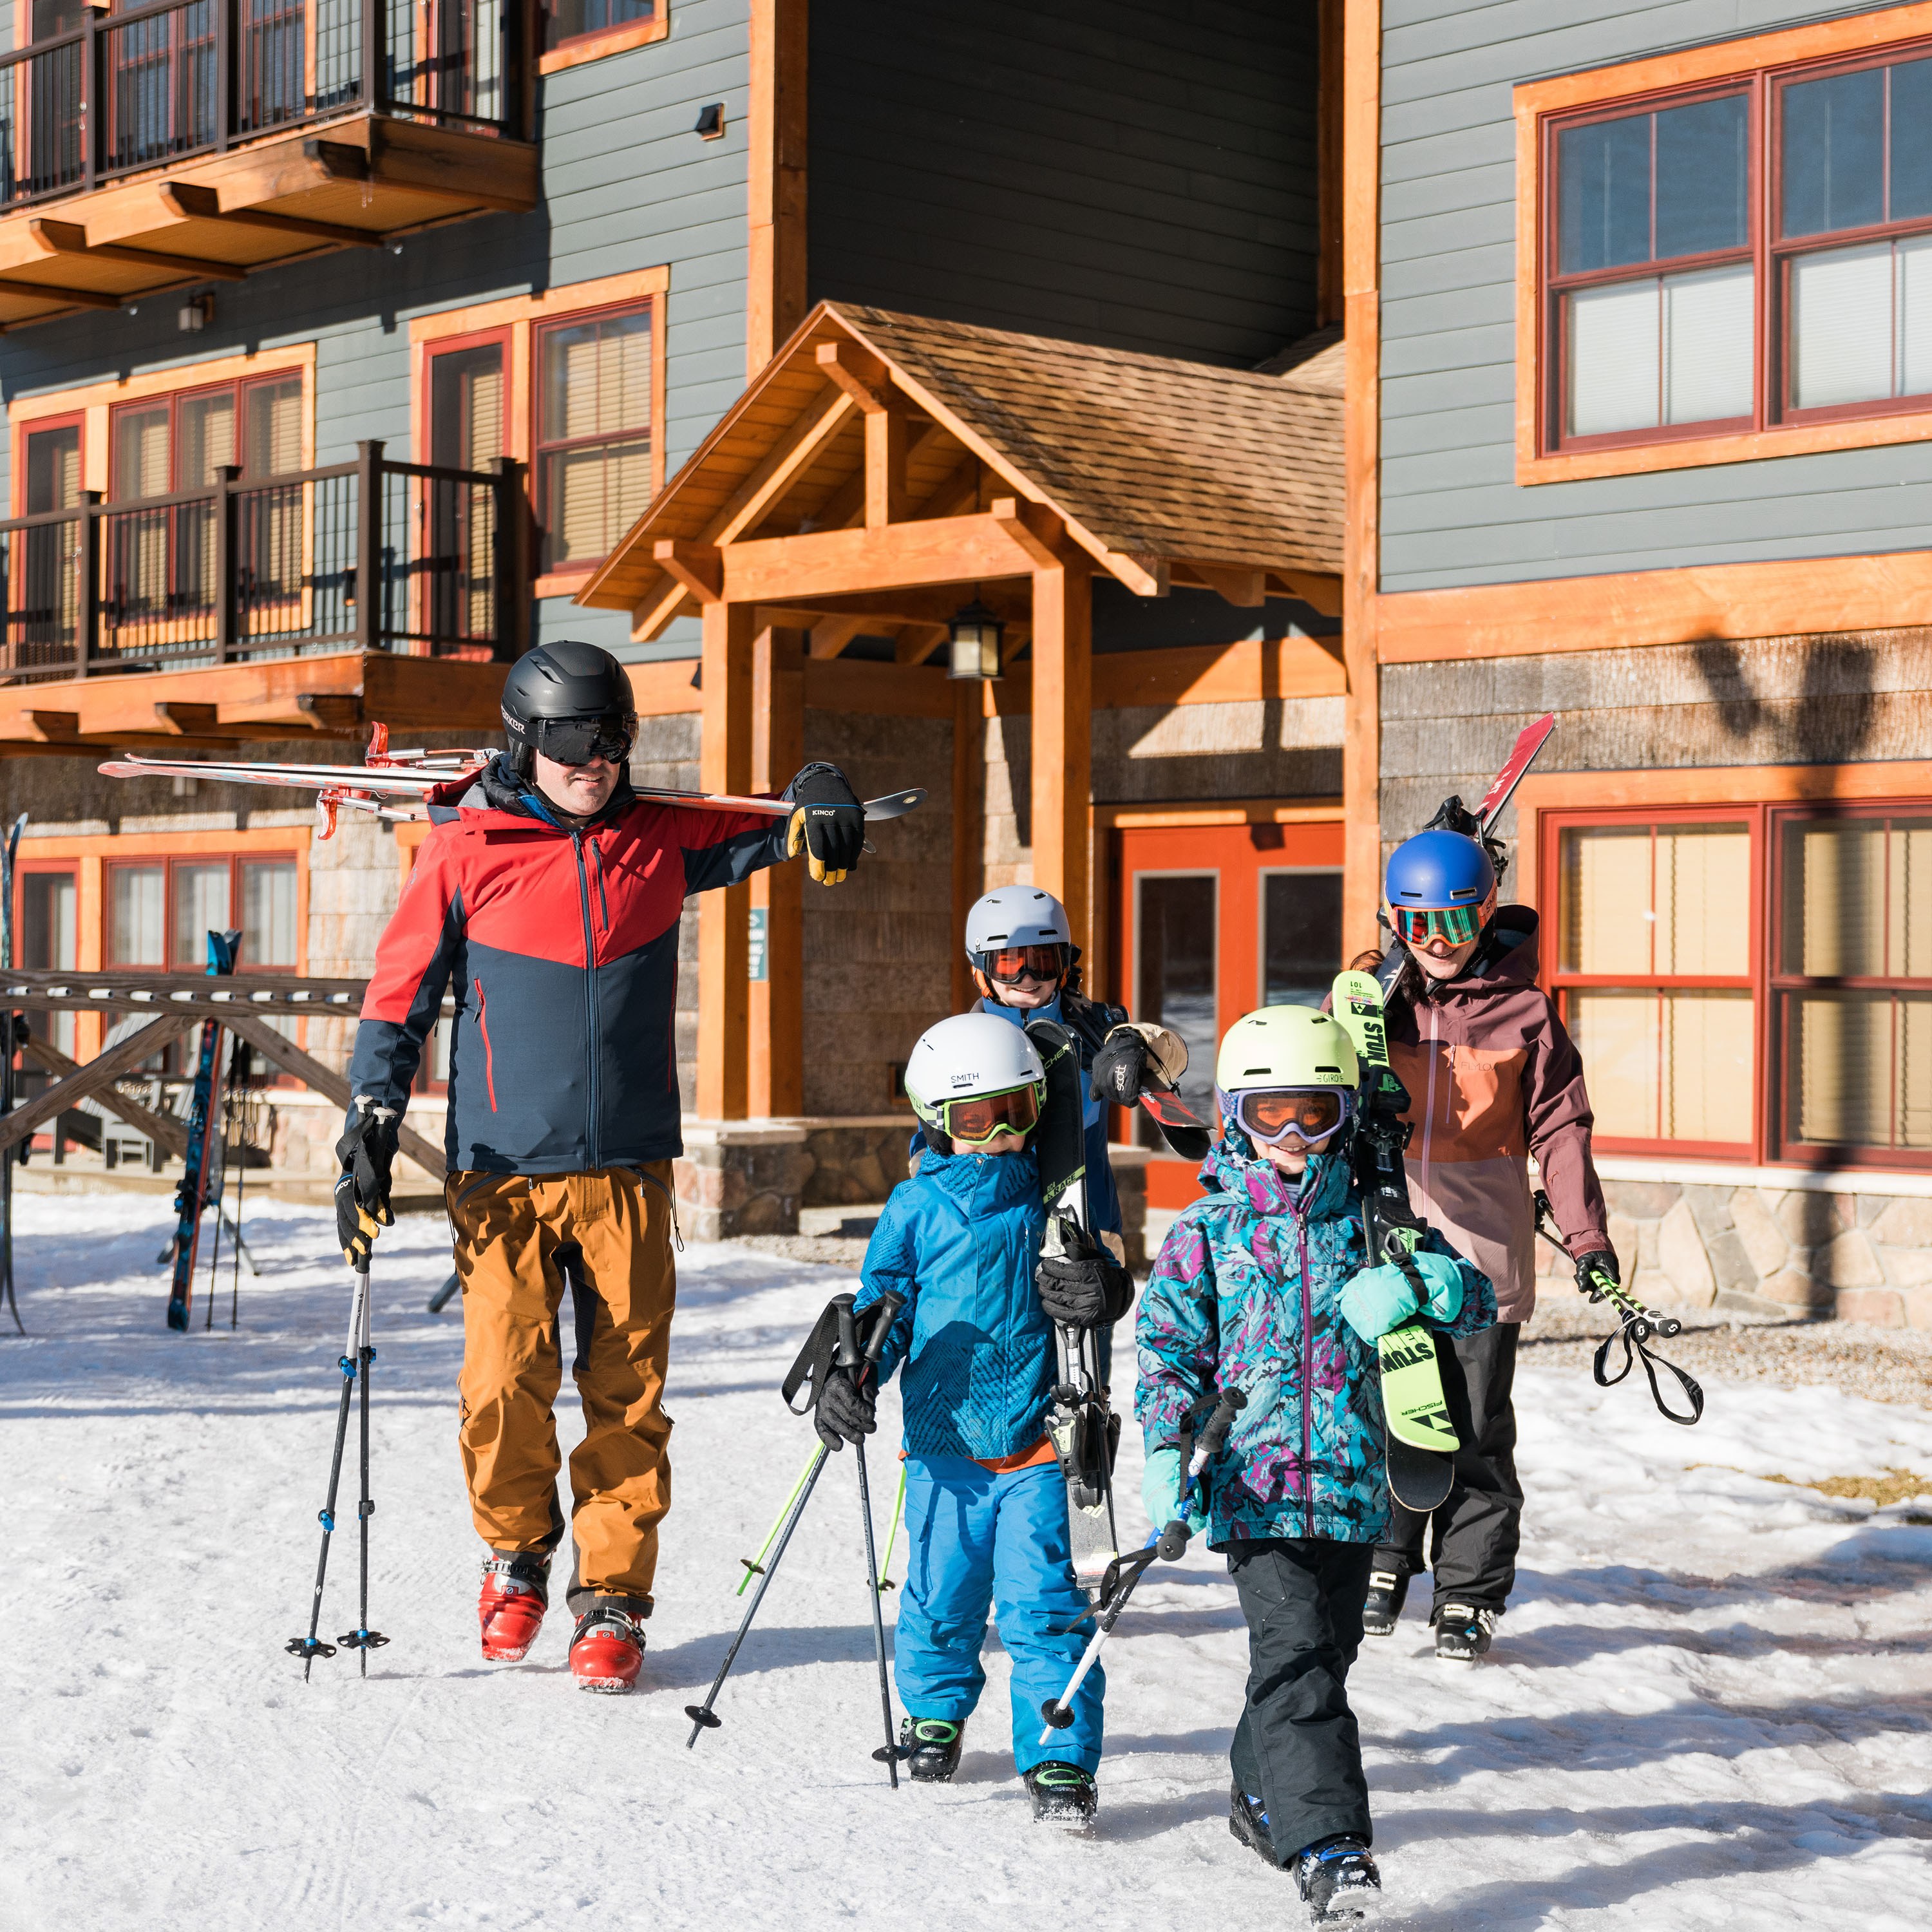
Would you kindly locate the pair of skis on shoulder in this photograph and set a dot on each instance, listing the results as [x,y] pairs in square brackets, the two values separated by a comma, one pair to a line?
[1420,1438]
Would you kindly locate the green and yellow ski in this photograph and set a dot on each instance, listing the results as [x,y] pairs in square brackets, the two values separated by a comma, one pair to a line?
[1421,1440]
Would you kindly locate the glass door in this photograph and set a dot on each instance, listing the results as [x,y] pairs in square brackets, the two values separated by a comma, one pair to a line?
[1175,929]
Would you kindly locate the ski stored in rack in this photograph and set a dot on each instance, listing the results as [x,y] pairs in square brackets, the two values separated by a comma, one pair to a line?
[9,1045]
[1421,1442]
[192,1195]
[1083,1429]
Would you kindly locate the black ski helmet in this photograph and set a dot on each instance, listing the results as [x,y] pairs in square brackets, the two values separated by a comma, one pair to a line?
[567,679]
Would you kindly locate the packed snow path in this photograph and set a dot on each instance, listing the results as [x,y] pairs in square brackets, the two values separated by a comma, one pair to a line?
[1712,1703]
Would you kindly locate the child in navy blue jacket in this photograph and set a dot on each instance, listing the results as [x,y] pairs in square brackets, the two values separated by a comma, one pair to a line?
[985,1505]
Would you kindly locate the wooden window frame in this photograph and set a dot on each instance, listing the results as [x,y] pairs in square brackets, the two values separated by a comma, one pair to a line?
[39,426]
[168,862]
[603,42]
[1763,64]
[521,316]
[236,386]
[1764,799]
[1784,986]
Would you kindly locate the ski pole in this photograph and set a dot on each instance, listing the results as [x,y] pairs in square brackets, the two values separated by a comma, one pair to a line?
[307,1647]
[754,1566]
[440,1299]
[860,1366]
[892,1535]
[362,1638]
[1170,1546]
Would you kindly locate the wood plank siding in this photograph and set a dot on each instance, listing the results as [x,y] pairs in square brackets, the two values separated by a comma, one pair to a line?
[1451,511]
[1140,175]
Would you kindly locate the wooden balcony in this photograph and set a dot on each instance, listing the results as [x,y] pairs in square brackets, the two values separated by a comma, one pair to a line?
[262,610]
[195,140]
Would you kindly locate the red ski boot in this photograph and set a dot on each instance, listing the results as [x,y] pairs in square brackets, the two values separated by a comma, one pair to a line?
[516,1593]
[607,1649]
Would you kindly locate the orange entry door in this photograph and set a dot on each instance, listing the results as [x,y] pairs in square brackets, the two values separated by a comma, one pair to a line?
[1214,921]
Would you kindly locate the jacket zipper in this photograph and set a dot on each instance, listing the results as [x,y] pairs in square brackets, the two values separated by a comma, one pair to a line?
[1307,1381]
[1429,1101]
[594,1138]
[489,1054]
[603,904]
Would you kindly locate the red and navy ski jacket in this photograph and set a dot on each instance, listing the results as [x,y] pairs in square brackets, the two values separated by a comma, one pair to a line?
[561,947]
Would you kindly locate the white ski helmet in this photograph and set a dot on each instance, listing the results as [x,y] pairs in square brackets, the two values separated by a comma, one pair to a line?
[1015,915]
[971,1056]
[1286,1046]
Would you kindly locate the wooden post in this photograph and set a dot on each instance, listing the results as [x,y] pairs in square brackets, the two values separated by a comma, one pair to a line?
[374,47]
[226,560]
[775,255]
[227,30]
[776,1057]
[969,827]
[723,992]
[511,596]
[87,613]
[1063,676]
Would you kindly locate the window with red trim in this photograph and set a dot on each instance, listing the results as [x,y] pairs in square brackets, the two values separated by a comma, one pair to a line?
[568,20]
[593,429]
[1749,982]
[159,911]
[1752,252]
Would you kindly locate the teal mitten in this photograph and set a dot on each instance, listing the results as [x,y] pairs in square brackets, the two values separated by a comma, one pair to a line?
[1160,1490]
[1381,1298]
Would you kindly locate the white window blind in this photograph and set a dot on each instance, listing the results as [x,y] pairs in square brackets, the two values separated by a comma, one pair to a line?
[1707,345]
[137,916]
[201,907]
[269,912]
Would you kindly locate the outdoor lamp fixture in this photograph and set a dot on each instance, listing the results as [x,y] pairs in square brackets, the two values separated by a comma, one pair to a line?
[976,632]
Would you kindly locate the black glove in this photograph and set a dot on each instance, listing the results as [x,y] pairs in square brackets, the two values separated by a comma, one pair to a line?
[830,824]
[367,1153]
[1084,1291]
[1119,1069]
[1599,1261]
[844,1412]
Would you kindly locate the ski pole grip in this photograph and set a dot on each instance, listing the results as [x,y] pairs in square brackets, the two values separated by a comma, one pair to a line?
[888,1306]
[1214,1437]
[848,1356]
[1173,1544]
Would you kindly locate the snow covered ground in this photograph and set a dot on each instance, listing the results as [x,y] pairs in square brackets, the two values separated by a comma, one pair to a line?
[1713,1705]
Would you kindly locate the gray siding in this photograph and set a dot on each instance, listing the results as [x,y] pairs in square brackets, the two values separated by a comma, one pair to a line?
[1134,174]
[627,185]
[1451,512]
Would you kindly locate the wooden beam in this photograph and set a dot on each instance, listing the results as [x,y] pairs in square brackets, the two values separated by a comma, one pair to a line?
[885,466]
[1319,593]
[330,1085]
[724,999]
[194,203]
[794,453]
[163,1128]
[1034,529]
[917,642]
[939,550]
[1246,590]
[101,1071]
[830,635]
[957,493]
[699,567]
[327,711]
[859,373]
[194,720]
[72,298]
[776,179]
[969,836]
[776,1068]
[70,237]
[1063,735]
[53,728]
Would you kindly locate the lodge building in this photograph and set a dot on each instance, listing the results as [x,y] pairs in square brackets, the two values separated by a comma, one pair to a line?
[1189,442]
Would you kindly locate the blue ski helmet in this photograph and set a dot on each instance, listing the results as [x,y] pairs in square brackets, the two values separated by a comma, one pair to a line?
[1443,873]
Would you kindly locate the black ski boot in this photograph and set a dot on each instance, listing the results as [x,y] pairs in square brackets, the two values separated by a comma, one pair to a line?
[1463,1632]
[1247,1819]
[1338,1879]
[929,1748]
[1062,1795]
[1388,1589]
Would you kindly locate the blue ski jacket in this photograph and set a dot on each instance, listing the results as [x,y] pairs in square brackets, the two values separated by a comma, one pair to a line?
[960,1241]
[1243,1295]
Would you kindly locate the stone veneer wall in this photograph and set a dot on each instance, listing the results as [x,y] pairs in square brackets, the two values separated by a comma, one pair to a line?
[1803,1251]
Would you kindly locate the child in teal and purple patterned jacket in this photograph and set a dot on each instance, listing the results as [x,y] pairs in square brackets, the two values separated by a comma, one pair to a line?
[1264,1284]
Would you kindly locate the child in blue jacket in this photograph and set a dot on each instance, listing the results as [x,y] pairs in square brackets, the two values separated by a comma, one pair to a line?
[985,1505]
[1264,1284]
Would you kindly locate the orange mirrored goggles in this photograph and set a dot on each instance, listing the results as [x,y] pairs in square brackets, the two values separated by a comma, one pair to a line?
[1273,1115]
[1011,963]
[974,1121]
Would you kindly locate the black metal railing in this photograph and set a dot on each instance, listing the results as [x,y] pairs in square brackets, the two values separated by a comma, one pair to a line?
[371,555]
[132,90]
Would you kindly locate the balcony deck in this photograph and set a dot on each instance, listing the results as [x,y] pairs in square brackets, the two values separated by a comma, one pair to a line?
[206,148]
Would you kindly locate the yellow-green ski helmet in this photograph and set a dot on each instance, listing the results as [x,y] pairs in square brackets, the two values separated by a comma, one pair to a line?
[1286,1072]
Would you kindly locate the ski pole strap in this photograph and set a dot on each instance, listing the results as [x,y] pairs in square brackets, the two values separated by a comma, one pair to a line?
[1632,1333]
[814,1361]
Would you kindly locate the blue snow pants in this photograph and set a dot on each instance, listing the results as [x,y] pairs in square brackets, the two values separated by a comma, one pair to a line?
[979,1541]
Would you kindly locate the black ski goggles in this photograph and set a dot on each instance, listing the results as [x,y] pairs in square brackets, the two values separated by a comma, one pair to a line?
[1012,963]
[576,741]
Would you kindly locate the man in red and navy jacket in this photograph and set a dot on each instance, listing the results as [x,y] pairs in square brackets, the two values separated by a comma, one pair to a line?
[547,898]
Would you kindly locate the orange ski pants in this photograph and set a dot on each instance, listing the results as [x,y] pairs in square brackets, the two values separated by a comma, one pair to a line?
[521,1241]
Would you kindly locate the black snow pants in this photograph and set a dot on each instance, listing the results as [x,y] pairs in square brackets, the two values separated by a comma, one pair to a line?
[1472,1549]
[1297,1747]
